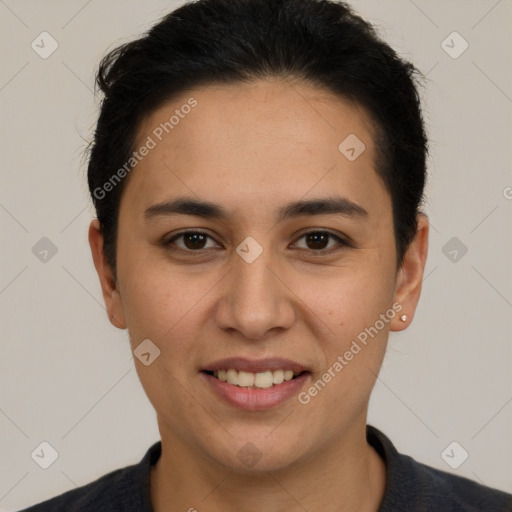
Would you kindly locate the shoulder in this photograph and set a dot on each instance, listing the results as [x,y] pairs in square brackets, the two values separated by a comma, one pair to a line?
[462,492]
[124,489]
[412,485]
[439,490]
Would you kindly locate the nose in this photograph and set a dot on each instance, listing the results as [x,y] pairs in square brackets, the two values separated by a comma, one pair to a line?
[255,298]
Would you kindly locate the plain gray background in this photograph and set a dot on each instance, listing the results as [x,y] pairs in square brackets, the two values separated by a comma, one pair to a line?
[67,375]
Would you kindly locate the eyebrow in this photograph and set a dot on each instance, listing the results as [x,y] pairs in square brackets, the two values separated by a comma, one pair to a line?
[208,210]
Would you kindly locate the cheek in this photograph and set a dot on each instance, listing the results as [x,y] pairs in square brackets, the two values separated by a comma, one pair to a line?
[351,304]
[349,298]
[352,356]
[165,304]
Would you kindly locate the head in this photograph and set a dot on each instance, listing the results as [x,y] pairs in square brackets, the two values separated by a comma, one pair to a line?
[257,171]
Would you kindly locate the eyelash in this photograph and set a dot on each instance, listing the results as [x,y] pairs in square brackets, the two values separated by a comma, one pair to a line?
[341,242]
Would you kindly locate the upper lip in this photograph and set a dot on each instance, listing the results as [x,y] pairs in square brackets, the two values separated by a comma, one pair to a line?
[255,365]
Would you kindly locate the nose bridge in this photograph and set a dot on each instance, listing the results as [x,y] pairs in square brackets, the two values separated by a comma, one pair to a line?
[253,282]
[254,300]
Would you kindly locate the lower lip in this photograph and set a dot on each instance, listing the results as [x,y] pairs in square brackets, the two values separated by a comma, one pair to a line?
[254,399]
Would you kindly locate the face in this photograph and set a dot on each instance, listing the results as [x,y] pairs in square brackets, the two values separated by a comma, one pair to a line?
[282,260]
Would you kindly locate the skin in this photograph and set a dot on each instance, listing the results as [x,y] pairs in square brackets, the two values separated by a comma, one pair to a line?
[253,148]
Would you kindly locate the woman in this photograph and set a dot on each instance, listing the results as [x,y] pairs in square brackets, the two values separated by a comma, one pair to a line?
[258,170]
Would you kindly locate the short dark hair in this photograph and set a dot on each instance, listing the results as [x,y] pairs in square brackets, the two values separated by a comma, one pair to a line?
[321,42]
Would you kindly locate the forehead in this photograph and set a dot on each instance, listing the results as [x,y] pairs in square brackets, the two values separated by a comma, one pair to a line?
[258,141]
[264,112]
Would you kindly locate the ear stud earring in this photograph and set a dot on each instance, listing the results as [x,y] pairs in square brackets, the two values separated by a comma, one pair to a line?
[403,318]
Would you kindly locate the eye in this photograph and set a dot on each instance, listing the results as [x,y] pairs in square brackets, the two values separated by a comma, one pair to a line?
[318,241]
[193,241]
[197,241]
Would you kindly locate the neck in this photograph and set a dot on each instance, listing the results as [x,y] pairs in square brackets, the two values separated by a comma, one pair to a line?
[347,476]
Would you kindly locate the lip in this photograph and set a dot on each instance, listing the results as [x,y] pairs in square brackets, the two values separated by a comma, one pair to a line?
[255,365]
[253,399]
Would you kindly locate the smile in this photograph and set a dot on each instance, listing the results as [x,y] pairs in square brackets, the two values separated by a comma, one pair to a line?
[261,380]
[255,384]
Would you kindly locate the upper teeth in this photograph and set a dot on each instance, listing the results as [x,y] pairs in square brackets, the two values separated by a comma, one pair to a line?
[248,379]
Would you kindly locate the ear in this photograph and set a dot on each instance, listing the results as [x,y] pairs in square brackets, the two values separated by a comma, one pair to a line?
[109,288]
[410,275]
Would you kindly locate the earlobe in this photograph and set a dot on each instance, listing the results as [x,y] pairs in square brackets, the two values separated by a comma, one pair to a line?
[106,276]
[410,276]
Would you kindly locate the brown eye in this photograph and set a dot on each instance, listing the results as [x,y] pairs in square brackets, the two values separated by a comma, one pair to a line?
[194,240]
[191,241]
[318,241]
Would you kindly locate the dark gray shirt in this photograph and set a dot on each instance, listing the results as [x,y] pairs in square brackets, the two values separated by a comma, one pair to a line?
[410,487]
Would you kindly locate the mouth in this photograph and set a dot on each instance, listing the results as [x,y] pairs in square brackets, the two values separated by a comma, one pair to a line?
[255,385]
[258,380]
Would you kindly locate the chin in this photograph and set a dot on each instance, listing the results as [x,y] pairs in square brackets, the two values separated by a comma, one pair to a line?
[255,454]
